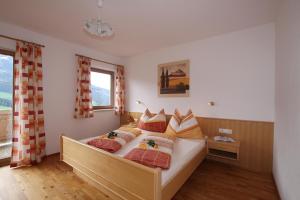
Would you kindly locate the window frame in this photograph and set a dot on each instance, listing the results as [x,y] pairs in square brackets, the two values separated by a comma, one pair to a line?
[7,52]
[112,88]
[6,161]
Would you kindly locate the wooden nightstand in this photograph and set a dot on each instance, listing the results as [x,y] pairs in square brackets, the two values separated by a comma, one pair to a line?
[224,150]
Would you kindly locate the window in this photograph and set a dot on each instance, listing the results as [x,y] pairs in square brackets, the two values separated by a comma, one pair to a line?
[102,83]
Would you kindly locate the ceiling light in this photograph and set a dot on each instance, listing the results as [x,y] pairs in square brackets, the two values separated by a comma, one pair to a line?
[97,27]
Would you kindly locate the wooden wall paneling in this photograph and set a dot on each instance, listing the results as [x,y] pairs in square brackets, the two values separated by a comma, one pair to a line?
[256,137]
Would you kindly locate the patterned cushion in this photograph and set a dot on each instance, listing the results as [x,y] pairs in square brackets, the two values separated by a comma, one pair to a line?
[155,123]
[111,146]
[184,126]
[150,158]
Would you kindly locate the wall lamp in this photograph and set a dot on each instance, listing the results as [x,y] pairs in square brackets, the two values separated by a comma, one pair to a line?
[211,103]
[140,103]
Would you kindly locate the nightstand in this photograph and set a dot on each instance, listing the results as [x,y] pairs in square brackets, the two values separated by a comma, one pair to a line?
[224,150]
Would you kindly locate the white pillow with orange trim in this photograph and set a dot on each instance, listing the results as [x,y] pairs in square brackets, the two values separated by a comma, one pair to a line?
[184,126]
[152,122]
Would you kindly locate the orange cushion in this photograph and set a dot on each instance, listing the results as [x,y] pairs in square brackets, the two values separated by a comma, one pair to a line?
[184,126]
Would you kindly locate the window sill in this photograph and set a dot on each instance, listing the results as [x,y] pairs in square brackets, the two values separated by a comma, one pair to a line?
[104,110]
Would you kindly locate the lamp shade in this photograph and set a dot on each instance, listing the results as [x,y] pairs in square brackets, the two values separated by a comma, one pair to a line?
[98,28]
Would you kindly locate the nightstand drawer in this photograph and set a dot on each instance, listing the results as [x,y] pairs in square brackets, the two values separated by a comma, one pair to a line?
[223,146]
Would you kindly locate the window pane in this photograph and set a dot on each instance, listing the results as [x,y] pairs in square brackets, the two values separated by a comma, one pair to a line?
[101,89]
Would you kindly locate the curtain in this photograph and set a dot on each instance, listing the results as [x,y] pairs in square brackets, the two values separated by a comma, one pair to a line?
[120,91]
[28,142]
[83,103]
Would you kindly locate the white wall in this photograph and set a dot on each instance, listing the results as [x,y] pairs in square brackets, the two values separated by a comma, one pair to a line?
[286,162]
[236,70]
[60,86]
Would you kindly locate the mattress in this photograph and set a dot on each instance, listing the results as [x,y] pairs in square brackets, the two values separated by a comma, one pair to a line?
[184,151]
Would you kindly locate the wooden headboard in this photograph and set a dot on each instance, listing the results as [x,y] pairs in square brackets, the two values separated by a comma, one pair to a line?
[256,137]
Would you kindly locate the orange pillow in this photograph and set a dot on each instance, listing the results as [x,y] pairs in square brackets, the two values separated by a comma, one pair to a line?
[151,122]
[184,126]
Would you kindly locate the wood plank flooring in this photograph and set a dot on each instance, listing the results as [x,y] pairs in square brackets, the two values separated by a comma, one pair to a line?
[217,181]
[211,181]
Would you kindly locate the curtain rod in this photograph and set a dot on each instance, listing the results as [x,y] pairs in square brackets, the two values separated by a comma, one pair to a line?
[16,39]
[97,60]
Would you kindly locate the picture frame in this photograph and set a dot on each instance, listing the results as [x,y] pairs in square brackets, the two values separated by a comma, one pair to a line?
[174,79]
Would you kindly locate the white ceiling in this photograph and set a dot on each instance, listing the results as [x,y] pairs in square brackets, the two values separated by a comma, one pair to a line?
[139,25]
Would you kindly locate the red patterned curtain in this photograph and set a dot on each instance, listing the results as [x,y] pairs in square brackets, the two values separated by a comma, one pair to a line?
[120,91]
[83,104]
[28,143]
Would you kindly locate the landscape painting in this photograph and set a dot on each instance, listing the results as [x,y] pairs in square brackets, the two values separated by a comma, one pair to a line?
[174,79]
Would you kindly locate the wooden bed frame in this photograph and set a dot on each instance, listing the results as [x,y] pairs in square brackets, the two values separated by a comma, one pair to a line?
[120,178]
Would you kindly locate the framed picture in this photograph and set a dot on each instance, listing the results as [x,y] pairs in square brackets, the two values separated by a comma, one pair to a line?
[174,79]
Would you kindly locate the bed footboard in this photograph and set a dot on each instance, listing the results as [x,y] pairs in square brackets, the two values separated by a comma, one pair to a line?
[115,176]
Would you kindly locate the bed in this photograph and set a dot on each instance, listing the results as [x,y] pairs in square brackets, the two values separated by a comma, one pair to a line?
[120,178]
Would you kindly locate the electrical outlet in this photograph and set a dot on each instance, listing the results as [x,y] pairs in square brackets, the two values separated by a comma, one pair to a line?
[225,131]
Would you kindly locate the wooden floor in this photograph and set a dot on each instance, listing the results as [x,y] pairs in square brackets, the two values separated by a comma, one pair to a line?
[54,180]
